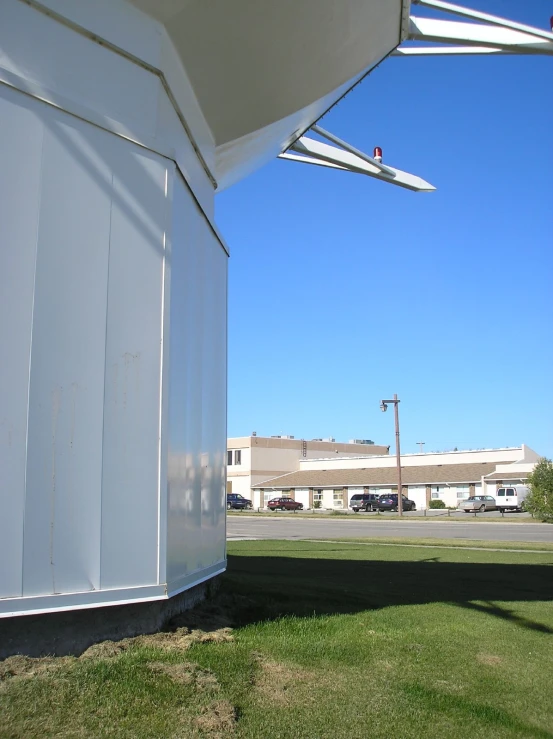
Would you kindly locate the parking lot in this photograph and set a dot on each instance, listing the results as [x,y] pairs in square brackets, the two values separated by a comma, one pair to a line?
[439,513]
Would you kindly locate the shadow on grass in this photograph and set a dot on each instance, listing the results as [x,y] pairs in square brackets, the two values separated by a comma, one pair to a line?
[270,587]
[259,588]
[458,707]
[492,609]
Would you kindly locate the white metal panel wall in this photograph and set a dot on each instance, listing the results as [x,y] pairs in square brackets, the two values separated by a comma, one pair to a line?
[130,477]
[19,184]
[185,406]
[302,496]
[197,388]
[84,286]
[169,129]
[214,394]
[85,227]
[46,57]
[41,47]
[64,452]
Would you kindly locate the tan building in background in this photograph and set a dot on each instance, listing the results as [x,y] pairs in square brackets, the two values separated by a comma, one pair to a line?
[448,476]
[252,459]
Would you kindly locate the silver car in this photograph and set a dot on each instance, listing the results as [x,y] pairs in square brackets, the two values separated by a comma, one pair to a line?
[478,503]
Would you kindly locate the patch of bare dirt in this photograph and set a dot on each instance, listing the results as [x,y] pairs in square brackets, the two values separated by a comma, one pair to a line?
[489,659]
[183,638]
[180,639]
[218,720]
[385,664]
[275,681]
[19,666]
[106,649]
[208,623]
[187,673]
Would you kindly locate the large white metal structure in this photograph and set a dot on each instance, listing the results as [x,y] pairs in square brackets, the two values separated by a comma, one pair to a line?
[119,119]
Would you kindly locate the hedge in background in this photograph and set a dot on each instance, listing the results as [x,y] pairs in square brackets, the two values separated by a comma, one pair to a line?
[437,504]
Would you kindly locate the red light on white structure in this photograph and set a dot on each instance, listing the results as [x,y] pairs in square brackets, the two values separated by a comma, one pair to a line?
[377,154]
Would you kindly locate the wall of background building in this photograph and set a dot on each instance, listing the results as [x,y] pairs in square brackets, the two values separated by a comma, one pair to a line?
[506,455]
[263,457]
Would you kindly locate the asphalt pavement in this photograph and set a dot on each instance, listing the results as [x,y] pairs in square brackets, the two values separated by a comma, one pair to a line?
[291,527]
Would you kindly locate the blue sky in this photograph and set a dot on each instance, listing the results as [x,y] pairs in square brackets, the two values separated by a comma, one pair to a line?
[344,290]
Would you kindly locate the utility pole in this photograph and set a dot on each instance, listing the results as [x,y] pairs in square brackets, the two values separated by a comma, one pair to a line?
[384,407]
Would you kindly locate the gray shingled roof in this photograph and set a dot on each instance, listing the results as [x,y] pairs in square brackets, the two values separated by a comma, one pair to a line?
[419,475]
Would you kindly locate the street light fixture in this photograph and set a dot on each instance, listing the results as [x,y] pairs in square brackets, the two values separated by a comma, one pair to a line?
[384,408]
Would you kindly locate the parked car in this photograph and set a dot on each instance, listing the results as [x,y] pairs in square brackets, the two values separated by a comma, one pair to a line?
[389,503]
[478,503]
[284,504]
[364,501]
[238,502]
[511,498]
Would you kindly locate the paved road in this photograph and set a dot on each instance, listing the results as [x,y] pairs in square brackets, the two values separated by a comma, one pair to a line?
[255,527]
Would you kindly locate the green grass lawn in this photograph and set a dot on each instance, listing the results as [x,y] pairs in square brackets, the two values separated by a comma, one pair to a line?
[328,641]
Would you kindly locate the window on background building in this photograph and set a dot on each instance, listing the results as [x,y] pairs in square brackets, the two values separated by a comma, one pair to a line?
[286,493]
[238,456]
[435,491]
[338,498]
[462,492]
[229,458]
[317,496]
[267,495]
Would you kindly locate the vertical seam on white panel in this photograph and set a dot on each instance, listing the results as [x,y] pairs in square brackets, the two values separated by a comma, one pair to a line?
[160,417]
[105,376]
[202,341]
[226,403]
[31,352]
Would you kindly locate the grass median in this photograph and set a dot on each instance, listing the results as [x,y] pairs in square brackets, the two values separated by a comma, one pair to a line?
[406,541]
[317,640]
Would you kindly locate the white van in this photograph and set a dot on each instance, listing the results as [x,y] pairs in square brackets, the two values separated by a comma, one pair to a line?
[511,498]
